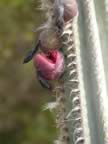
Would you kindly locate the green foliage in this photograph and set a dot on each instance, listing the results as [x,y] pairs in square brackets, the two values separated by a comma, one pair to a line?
[22,120]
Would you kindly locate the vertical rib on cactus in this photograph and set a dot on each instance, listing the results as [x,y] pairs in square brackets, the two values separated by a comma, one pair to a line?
[106,13]
[75,113]
[101,8]
[97,71]
[82,98]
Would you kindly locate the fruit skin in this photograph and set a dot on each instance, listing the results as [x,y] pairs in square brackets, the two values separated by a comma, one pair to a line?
[70,9]
[63,11]
[50,65]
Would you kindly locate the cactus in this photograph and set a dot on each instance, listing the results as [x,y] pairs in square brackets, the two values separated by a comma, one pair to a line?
[81,109]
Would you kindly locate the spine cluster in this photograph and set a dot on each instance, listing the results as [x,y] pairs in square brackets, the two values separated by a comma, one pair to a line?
[75,114]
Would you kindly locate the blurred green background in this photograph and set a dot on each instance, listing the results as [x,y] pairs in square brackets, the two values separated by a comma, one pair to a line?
[22,120]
